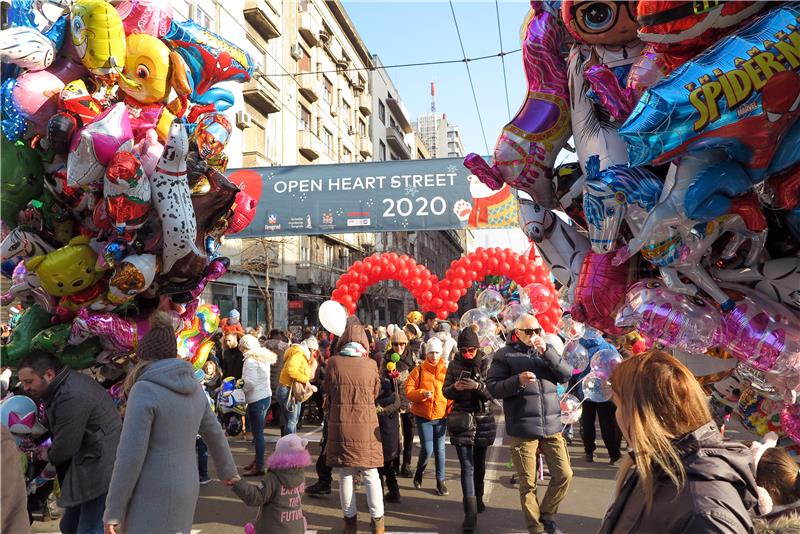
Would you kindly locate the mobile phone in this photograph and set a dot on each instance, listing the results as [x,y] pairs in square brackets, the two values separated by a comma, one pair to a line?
[465,375]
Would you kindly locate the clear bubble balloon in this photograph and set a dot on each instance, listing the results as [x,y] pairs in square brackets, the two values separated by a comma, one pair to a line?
[524,300]
[510,314]
[479,318]
[592,333]
[604,362]
[490,343]
[596,389]
[540,297]
[570,328]
[554,341]
[570,409]
[576,354]
[491,302]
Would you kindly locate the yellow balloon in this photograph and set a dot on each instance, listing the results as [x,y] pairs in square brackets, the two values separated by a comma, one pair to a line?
[147,63]
[200,357]
[67,270]
[98,36]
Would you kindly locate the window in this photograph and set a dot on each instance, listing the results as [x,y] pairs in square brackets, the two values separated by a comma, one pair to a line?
[305,250]
[203,19]
[362,128]
[304,63]
[327,140]
[327,94]
[328,255]
[346,111]
[381,111]
[381,151]
[347,156]
[305,119]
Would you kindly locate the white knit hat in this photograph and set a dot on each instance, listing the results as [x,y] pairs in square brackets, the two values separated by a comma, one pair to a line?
[433,345]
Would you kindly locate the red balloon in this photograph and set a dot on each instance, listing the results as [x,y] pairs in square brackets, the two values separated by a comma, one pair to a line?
[436,303]
[444,294]
[426,296]
[493,263]
[505,267]
[458,283]
[452,307]
[337,294]
[476,265]
[426,285]
[354,289]
[391,269]
[472,275]
[402,274]
[442,314]
[346,301]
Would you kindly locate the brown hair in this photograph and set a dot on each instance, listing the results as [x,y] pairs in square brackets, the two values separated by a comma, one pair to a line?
[777,473]
[659,400]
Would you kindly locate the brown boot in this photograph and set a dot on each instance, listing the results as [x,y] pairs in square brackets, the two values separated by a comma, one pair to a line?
[351,525]
[377,526]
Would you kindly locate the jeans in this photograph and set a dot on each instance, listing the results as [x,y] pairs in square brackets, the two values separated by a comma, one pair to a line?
[407,425]
[291,417]
[523,454]
[84,518]
[347,492]
[473,469]
[257,412]
[612,436]
[202,457]
[431,433]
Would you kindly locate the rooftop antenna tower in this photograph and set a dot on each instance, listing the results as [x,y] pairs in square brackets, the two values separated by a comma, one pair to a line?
[433,98]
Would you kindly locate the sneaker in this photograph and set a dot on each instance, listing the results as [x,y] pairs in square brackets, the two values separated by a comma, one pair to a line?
[418,478]
[393,496]
[441,489]
[589,457]
[551,528]
[319,489]
[205,480]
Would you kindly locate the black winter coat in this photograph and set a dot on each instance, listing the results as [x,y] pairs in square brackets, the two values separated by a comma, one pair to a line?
[388,403]
[474,401]
[534,411]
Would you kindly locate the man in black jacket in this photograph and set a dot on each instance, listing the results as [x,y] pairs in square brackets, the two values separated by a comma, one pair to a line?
[525,375]
[85,426]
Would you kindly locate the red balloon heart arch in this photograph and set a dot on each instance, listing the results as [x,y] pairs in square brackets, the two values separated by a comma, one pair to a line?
[441,296]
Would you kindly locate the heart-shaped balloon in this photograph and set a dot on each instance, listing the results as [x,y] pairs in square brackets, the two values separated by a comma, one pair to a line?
[442,296]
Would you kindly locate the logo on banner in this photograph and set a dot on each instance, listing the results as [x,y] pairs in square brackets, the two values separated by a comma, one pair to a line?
[327,218]
[272,223]
[355,218]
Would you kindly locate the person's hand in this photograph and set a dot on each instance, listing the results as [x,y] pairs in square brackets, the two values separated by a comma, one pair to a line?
[470,383]
[525,378]
[231,481]
[427,394]
[110,528]
[460,385]
[539,344]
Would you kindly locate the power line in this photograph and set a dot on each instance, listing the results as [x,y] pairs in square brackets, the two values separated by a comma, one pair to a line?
[469,75]
[502,56]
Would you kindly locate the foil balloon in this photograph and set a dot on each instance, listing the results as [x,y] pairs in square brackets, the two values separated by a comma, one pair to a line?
[790,421]
[68,270]
[209,59]
[19,414]
[148,149]
[25,291]
[32,321]
[26,48]
[214,205]
[672,319]
[119,334]
[526,150]
[98,36]
[600,292]
[570,409]
[173,203]
[777,279]
[35,97]
[604,362]
[211,134]
[191,340]
[134,274]
[215,270]
[94,146]
[127,192]
[21,169]
[145,16]
[244,211]
[596,389]
[491,302]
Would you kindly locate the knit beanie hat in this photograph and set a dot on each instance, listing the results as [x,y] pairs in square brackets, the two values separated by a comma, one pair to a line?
[311,343]
[399,337]
[468,338]
[160,342]
[290,453]
[248,343]
[433,345]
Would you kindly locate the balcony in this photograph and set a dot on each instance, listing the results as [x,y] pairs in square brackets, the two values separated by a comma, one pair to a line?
[365,146]
[308,28]
[309,86]
[318,274]
[262,18]
[400,113]
[364,102]
[262,94]
[308,145]
[395,139]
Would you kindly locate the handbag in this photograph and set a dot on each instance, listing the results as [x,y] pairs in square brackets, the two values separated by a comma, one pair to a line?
[459,422]
[301,392]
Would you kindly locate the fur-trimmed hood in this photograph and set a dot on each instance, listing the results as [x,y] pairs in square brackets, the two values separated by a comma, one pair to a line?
[281,461]
[262,355]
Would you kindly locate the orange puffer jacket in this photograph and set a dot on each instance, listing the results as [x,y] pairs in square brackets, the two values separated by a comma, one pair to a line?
[427,377]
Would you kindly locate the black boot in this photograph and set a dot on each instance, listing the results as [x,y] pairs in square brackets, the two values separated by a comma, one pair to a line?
[405,471]
[394,489]
[319,489]
[470,514]
[418,477]
[481,506]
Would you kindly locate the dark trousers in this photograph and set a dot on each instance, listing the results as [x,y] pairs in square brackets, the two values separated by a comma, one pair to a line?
[202,457]
[473,469]
[324,473]
[84,518]
[612,436]
[388,475]
[407,424]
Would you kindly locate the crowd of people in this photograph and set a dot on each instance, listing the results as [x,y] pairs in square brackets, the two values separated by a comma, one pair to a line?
[375,390]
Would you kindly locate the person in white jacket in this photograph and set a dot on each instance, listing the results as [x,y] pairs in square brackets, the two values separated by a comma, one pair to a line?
[257,394]
[449,345]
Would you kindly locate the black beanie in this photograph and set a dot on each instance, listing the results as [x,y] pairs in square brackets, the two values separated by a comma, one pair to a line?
[160,342]
[468,338]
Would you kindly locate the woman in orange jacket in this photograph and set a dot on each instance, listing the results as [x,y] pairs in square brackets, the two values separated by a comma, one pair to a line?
[429,406]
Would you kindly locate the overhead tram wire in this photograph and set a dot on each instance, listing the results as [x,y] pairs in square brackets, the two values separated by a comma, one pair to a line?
[469,75]
[502,56]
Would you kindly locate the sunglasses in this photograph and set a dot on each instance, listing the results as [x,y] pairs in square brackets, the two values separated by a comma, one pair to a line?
[598,17]
[469,350]
[530,331]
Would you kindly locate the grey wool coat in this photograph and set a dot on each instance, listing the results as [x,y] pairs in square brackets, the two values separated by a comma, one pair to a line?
[155,484]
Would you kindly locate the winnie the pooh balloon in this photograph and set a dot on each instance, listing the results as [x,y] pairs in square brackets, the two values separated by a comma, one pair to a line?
[67,270]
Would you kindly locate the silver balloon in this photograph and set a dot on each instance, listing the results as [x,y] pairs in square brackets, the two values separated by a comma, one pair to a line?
[491,302]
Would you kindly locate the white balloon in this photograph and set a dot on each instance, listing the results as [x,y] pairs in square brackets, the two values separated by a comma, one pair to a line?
[333,317]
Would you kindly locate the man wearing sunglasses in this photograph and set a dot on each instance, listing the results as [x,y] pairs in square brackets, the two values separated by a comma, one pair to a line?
[525,375]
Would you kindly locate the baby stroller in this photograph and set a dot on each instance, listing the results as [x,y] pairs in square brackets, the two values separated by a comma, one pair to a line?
[231,405]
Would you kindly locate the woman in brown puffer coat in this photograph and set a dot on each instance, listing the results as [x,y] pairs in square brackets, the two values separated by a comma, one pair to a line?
[352,385]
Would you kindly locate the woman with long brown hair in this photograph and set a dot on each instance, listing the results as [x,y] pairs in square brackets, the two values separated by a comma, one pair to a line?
[680,475]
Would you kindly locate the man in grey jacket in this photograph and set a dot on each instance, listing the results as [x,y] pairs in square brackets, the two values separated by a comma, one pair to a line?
[525,375]
[85,427]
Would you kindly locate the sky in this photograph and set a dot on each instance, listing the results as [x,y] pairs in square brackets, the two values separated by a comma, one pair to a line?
[414,32]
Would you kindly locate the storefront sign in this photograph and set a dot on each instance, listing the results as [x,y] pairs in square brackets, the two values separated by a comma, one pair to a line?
[385,196]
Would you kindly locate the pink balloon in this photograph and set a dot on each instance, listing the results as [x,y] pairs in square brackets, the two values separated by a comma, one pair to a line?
[35,94]
[599,292]
[152,17]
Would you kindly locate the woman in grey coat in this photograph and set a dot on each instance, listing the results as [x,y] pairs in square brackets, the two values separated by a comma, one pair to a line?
[155,484]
